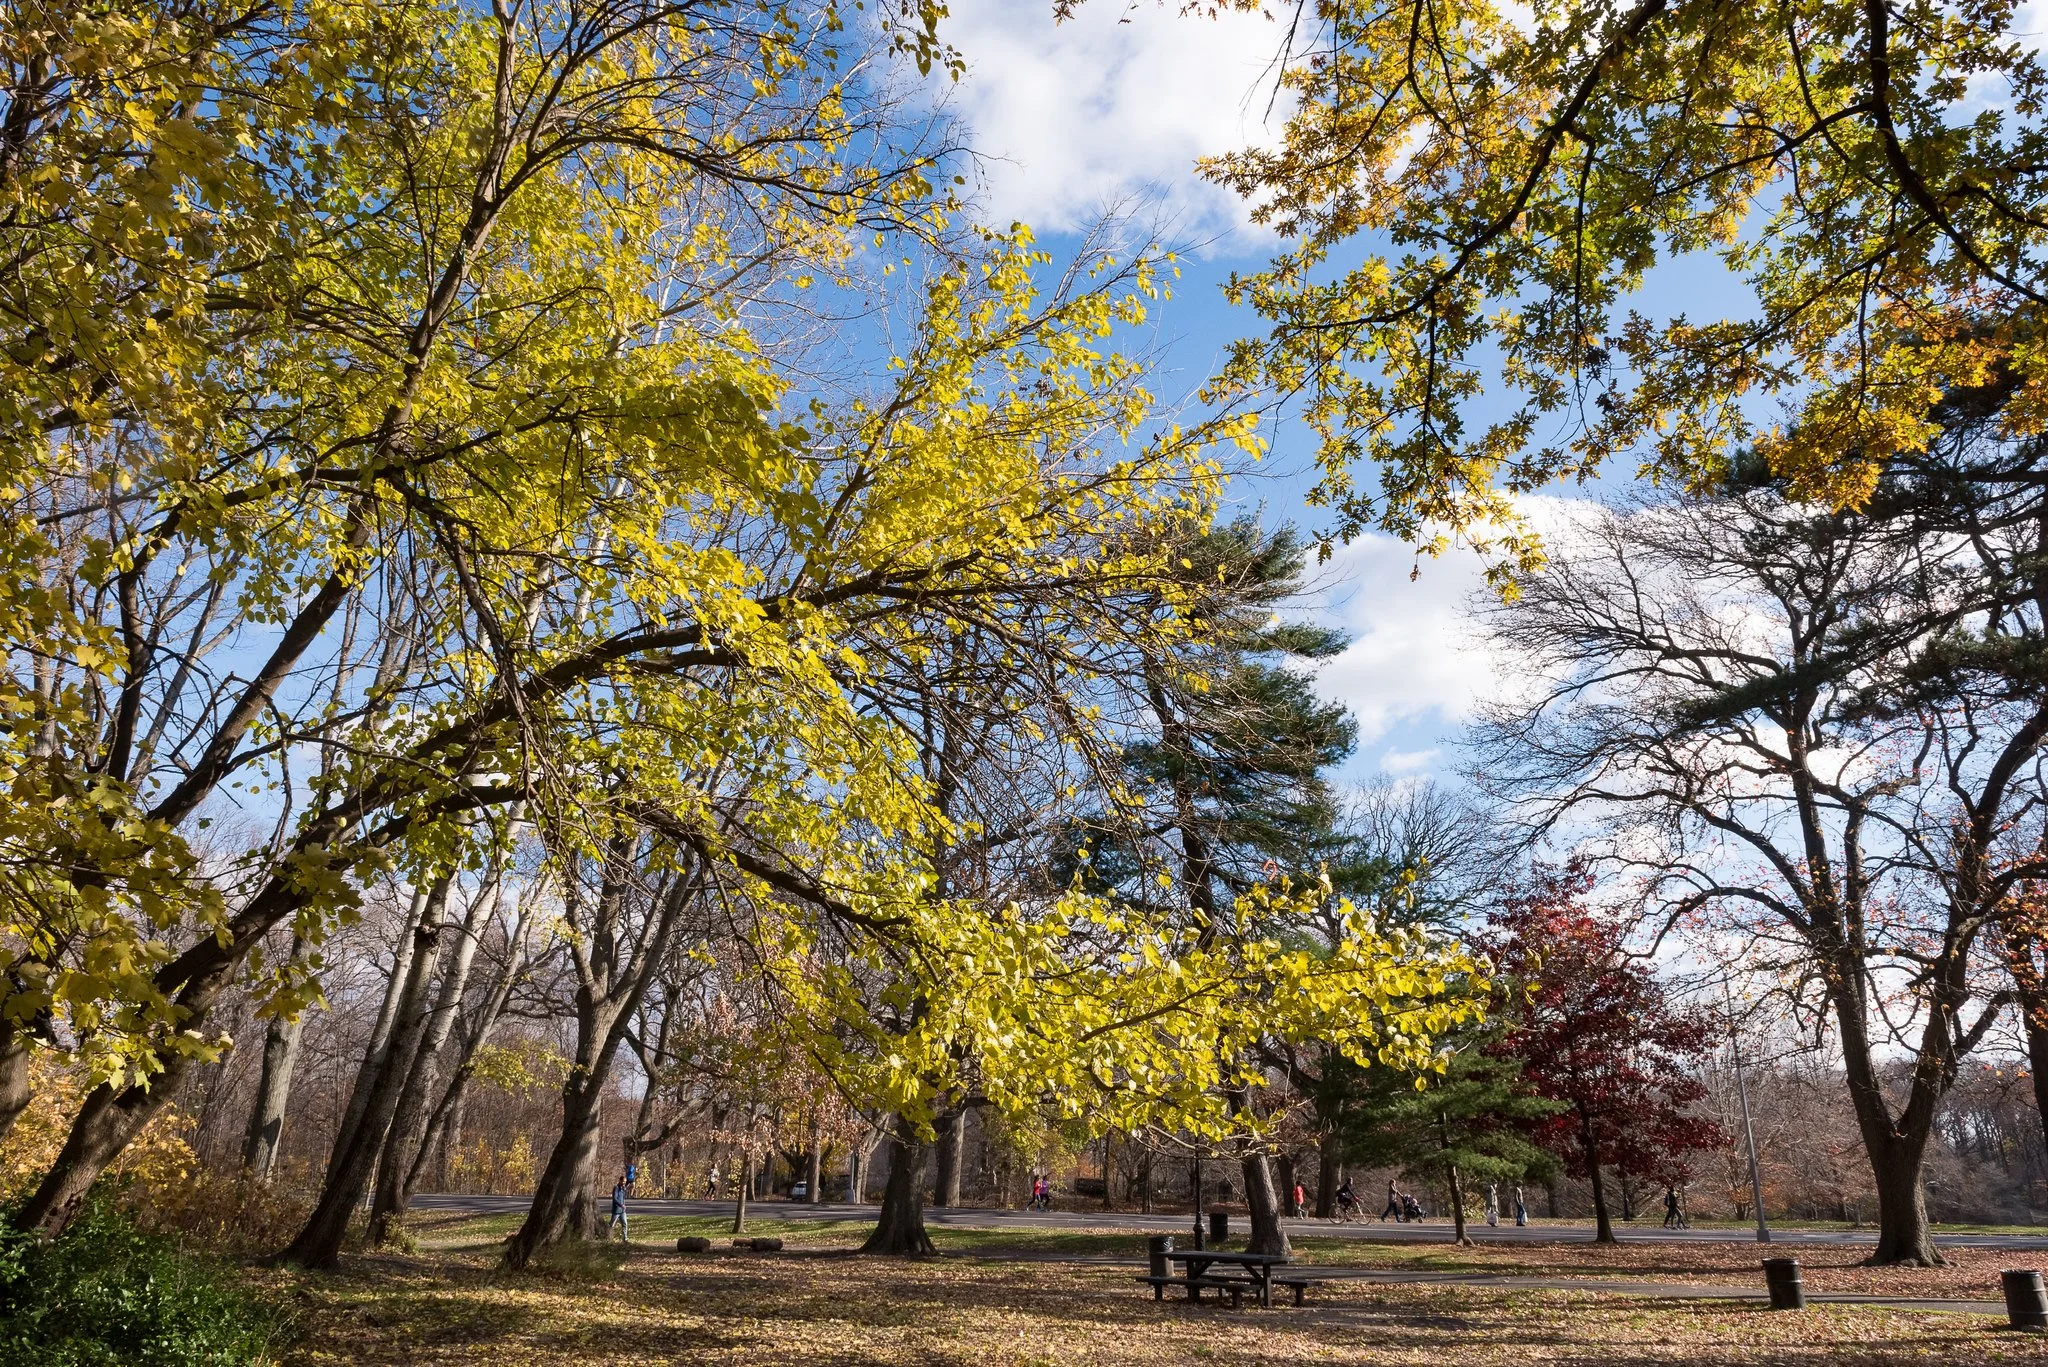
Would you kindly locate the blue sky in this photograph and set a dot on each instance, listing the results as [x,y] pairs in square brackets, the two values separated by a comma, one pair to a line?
[1109,112]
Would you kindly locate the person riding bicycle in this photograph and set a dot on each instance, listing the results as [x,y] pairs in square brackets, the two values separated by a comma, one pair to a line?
[1347,1200]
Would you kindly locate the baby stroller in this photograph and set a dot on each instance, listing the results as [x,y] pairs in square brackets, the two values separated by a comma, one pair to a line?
[1411,1209]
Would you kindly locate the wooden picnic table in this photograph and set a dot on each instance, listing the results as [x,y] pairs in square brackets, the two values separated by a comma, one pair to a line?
[1258,1268]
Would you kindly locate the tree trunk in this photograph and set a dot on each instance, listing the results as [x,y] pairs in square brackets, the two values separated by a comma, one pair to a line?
[407,1143]
[348,1173]
[378,1047]
[106,1122]
[14,1085]
[1550,1192]
[449,1143]
[1458,1206]
[612,983]
[1327,1177]
[563,1200]
[1904,1236]
[745,1188]
[1108,1174]
[444,1126]
[273,1091]
[900,1229]
[1443,1130]
[1145,1182]
[814,1166]
[1603,1226]
[1288,1182]
[1263,1203]
[946,1167]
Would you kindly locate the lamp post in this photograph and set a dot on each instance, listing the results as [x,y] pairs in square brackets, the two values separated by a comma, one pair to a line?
[1756,1181]
[1201,1240]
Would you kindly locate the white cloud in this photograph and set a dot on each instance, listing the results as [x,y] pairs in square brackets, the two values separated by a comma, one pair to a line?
[1114,104]
[1414,658]
[1417,665]
[1408,761]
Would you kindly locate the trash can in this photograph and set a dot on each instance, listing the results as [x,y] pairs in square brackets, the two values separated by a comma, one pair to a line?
[1156,1249]
[2026,1301]
[1219,1226]
[1781,1276]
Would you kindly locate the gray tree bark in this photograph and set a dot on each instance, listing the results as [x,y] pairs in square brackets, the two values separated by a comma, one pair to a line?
[405,1141]
[273,1091]
[900,1229]
[348,1174]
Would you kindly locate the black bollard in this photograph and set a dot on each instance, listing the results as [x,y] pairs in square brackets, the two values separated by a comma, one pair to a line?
[1781,1276]
[2026,1301]
[1219,1226]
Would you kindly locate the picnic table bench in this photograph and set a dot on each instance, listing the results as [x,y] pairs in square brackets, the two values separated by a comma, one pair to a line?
[1246,1272]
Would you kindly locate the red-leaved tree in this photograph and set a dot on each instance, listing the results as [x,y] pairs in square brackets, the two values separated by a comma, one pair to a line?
[1596,1032]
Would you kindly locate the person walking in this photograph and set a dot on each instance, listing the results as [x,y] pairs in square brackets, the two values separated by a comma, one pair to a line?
[1521,1207]
[1671,1207]
[632,1175]
[619,1212]
[1492,1204]
[1393,1204]
[1300,1200]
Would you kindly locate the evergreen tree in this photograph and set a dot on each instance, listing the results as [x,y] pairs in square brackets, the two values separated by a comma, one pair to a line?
[1469,1122]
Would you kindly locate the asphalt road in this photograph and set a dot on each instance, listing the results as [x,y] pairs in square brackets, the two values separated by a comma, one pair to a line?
[1433,1231]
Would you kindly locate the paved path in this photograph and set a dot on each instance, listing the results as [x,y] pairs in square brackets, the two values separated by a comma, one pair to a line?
[1690,1291]
[1437,1231]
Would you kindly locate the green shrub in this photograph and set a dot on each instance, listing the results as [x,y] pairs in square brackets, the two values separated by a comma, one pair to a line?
[105,1293]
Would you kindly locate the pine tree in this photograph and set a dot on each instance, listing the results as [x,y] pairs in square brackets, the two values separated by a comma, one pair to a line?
[1469,1122]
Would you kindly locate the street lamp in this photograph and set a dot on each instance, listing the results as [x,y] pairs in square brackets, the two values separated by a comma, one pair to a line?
[1756,1181]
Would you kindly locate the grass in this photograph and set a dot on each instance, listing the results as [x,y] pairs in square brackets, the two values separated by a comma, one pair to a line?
[1005,1299]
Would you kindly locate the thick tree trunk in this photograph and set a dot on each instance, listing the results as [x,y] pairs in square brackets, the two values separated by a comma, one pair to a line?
[1550,1192]
[1288,1182]
[107,1121]
[564,1200]
[1904,1236]
[1603,1226]
[900,1229]
[273,1091]
[1263,1204]
[2037,1058]
[349,1172]
[14,1085]
[946,1165]
[1327,1178]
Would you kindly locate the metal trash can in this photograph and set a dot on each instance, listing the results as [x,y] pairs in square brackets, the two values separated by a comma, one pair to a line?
[2026,1300]
[1219,1226]
[1156,1249]
[1788,1290]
